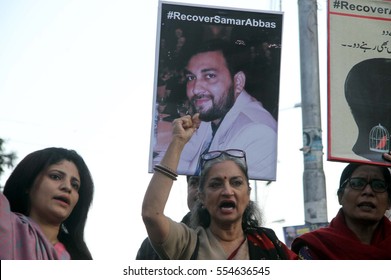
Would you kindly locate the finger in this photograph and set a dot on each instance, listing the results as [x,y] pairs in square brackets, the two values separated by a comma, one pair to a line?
[186,121]
[196,120]
[387,156]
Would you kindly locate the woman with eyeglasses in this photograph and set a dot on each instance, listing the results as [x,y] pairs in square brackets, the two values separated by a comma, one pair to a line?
[225,223]
[360,231]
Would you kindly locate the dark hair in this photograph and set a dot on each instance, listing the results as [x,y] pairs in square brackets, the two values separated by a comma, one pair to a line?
[200,216]
[22,178]
[349,169]
[189,177]
[192,180]
[236,55]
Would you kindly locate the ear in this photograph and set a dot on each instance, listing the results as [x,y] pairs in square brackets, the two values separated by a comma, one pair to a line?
[239,82]
[340,198]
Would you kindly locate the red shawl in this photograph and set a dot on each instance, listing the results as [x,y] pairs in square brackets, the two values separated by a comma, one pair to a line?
[338,242]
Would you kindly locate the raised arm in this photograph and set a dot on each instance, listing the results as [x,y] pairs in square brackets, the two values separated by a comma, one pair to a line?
[159,188]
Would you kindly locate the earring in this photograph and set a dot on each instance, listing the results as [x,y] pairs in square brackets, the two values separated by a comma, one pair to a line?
[64,229]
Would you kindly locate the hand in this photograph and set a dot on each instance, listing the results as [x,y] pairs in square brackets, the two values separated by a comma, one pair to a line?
[387,156]
[184,127]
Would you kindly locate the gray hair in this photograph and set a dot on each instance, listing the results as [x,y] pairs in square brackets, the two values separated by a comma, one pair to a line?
[240,162]
[252,216]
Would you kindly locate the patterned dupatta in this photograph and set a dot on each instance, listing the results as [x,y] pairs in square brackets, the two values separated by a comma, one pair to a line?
[264,245]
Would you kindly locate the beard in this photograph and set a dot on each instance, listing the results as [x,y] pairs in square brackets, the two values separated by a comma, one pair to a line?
[219,107]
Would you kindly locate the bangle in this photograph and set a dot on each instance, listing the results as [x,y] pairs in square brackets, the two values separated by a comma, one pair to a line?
[166,171]
[166,168]
[169,175]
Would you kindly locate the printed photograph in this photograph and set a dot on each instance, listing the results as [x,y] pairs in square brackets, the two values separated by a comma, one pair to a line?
[225,65]
[359,81]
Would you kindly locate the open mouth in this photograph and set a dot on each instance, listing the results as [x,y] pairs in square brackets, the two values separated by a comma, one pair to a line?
[63,199]
[227,205]
[366,205]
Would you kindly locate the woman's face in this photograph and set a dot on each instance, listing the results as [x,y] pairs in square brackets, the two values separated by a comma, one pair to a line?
[226,193]
[364,205]
[54,193]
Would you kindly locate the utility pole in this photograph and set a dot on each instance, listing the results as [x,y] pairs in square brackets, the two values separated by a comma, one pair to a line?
[314,187]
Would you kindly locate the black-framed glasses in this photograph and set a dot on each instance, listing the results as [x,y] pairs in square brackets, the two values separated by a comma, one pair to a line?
[357,183]
[236,153]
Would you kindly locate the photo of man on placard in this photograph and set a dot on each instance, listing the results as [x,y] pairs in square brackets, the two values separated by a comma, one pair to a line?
[229,74]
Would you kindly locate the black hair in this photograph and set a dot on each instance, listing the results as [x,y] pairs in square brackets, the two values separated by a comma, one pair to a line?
[348,171]
[22,179]
[235,54]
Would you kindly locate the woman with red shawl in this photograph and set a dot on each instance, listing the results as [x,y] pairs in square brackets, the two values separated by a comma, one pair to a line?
[360,231]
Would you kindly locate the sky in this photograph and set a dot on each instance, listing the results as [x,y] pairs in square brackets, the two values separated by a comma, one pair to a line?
[80,75]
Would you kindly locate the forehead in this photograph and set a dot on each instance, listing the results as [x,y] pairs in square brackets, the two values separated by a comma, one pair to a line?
[368,170]
[207,60]
[65,166]
[225,169]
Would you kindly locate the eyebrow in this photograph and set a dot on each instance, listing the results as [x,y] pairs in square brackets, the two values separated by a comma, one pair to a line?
[63,173]
[229,178]
[205,70]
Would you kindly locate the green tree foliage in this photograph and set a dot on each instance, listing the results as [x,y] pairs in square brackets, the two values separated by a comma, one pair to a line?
[6,159]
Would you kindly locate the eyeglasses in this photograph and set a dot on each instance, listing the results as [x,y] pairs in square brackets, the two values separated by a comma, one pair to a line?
[378,186]
[236,153]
